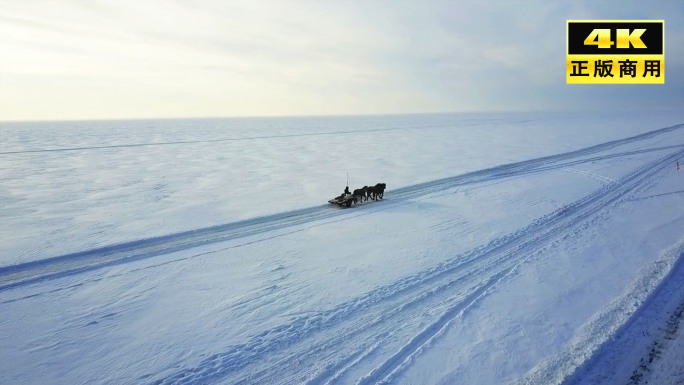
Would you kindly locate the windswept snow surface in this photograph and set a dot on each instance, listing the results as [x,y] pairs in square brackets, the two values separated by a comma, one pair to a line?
[510,248]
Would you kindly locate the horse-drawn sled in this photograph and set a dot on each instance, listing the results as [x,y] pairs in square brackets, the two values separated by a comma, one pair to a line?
[343,200]
[363,194]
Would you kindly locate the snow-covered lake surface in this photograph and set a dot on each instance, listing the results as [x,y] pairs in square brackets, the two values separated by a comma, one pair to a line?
[532,248]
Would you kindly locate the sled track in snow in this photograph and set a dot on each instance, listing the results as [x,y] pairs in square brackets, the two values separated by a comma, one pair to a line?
[26,273]
[374,337]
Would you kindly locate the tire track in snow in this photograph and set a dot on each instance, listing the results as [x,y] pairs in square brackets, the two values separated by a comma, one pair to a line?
[75,263]
[601,178]
[399,360]
[322,347]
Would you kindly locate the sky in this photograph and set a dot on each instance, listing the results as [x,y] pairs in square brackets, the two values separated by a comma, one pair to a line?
[73,59]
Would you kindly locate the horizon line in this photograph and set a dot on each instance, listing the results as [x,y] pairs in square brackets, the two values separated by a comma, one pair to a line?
[66,120]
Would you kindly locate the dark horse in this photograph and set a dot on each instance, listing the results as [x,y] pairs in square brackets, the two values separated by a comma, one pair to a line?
[377,192]
[361,194]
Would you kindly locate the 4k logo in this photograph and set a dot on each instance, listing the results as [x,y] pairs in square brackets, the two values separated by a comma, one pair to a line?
[615,51]
[601,38]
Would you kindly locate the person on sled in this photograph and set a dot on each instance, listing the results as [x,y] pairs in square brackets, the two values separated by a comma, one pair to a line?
[345,195]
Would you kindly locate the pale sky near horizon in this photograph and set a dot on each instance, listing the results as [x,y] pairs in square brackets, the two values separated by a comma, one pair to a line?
[78,59]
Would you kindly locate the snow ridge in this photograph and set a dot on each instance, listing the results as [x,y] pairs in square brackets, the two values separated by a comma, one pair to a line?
[603,352]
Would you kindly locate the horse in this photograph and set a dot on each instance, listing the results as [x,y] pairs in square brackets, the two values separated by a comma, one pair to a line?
[380,190]
[377,192]
[361,194]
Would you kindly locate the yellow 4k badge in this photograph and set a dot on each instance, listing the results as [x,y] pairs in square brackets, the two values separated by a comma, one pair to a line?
[616,52]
